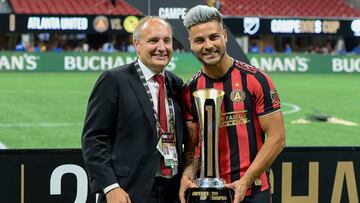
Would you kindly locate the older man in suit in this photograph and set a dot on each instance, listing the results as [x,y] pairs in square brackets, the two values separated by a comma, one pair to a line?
[132,133]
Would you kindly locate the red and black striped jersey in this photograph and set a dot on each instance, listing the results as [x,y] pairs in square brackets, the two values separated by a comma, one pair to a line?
[249,93]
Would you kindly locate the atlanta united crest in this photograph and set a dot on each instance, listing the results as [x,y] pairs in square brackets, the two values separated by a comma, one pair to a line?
[237,95]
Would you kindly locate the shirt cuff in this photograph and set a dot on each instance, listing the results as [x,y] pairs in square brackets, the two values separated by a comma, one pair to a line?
[111,187]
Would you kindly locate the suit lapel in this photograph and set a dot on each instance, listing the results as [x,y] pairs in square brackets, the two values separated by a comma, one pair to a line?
[142,96]
[147,106]
[169,81]
[178,116]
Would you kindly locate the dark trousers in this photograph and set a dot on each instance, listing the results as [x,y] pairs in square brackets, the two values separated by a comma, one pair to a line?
[164,191]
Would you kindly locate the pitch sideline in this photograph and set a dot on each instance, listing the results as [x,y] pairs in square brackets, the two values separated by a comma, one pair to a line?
[26,125]
[2,146]
[293,109]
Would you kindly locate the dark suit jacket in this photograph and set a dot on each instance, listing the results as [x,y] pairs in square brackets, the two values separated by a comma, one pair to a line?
[119,137]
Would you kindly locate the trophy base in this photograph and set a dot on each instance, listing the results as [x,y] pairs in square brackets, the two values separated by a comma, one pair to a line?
[209,190]
[208,195]
[210,183]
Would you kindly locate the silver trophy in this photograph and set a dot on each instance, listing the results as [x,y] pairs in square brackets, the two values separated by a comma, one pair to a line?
[211,188]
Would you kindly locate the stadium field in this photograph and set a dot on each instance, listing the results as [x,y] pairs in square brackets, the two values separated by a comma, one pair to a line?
[46,110]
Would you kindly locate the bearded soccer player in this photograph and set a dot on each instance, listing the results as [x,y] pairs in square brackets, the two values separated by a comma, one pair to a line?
[251,130]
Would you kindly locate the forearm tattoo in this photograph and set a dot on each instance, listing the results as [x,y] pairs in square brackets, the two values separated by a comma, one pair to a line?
[191,143]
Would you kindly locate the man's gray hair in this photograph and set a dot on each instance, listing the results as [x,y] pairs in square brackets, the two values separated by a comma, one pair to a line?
[201,14]
[140,25]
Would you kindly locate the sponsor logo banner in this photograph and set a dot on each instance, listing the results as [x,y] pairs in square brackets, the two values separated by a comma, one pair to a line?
[181,63]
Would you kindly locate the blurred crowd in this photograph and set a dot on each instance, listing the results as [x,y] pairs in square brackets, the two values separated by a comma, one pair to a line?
[45,42]
[77,42]
[328,47]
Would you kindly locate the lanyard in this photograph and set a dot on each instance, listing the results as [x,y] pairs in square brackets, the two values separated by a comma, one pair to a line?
[170,101]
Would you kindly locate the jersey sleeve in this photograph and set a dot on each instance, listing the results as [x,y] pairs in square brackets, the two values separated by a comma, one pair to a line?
[265,94]
[188,114]
[186,104]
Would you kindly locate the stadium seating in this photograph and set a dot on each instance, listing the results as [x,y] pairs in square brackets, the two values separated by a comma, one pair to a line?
[289,8]
[84,7]
[4,7]
[265,8]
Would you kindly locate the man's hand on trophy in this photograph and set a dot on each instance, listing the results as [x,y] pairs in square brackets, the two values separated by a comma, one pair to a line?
[240,188]
[186,183]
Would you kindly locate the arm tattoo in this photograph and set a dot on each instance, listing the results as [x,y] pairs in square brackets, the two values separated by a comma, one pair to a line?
[191,143]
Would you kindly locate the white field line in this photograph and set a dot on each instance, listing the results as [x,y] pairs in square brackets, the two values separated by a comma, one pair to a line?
[42,92]
[45,125]
[2,146]
[293,108]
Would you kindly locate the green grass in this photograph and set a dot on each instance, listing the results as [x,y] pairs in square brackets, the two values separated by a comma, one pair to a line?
[46,110]
[29,100]
[336,95]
